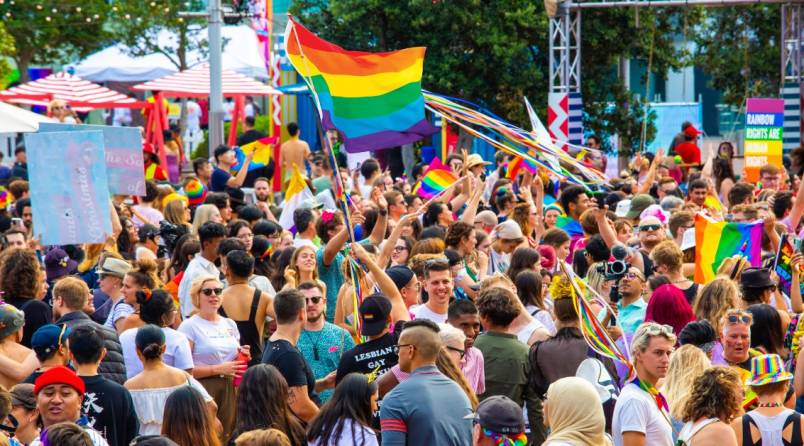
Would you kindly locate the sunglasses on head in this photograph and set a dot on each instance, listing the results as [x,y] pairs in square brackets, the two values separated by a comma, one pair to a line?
[647,228]
[315,299]
[433,262]
[655,329]
[739,317]
[211,291]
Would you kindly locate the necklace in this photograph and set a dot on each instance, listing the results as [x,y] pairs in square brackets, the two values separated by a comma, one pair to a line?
[769,405]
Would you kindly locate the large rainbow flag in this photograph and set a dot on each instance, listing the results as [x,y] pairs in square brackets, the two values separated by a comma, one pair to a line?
[717,240]
[373,99]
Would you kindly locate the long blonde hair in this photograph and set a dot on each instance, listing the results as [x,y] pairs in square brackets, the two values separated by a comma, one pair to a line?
[686,364]
[716,298]
[202,215]
[295,267]
[174,212]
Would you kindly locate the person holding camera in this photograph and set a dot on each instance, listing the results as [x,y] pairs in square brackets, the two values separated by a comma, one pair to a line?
[631,305]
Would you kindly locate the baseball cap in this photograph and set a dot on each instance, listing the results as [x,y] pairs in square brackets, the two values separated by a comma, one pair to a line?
[401,275]
[23,395]
[501,415]
[508,230]
[311,203]
[638,204]
[374,312]
[50,337]
[691,131]
[486,217]
[11,320]
[623,206]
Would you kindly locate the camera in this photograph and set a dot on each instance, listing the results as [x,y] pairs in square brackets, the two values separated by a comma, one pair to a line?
[169,233]
[615,270]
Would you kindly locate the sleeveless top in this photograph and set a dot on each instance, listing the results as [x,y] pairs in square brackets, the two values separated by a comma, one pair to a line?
[249,335]
[691,428]
[770,428]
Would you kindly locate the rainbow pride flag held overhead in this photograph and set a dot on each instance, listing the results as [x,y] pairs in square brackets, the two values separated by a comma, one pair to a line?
[519,163]
[570,226]
[436,178]
[716,241]
[373,99]
[262,153]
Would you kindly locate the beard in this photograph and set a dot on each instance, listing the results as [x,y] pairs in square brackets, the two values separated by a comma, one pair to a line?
[316,318]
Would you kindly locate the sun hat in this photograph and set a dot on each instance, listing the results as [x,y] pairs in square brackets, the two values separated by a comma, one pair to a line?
[768,369]
[508,230]
[487,217]
[475,160]
[114,267]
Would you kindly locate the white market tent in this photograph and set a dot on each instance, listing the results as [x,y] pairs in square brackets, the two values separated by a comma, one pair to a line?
[240,54]
[18,120]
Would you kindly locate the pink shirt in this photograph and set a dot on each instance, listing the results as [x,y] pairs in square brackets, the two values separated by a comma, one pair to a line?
[471,366]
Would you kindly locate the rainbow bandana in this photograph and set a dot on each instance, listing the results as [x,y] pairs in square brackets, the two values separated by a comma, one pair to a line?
[519,439]
[661,402]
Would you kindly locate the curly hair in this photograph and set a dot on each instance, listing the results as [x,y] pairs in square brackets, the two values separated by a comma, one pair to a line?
[457,232]
[20,274]
[715,394]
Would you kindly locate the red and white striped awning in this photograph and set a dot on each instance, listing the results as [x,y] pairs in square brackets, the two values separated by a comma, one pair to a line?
[80,94]
[195,83]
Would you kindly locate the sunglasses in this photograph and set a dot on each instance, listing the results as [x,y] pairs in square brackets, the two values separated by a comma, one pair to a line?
[211,291]
[739,317]
[647,228]
[315,299]
[632,276]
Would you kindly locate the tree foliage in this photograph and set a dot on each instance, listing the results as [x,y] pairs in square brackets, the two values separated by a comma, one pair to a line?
[45,32]
[138,24]
[6,50]
[739,48]
[496,52]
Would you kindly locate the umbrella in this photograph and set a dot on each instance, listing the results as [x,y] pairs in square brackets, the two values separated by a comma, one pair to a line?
[16,120]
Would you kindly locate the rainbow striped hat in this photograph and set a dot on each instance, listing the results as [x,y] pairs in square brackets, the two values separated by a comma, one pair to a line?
[768,369]
[195,192]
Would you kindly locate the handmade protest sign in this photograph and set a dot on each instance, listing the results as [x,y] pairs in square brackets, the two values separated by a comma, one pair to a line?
[123,149]
[764,122]
[69,192]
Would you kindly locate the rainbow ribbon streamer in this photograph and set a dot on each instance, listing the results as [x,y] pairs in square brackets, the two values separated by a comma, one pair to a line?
[513,140]
[357,297]
[593,332]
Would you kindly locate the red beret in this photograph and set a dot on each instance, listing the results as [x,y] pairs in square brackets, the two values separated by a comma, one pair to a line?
[59,375]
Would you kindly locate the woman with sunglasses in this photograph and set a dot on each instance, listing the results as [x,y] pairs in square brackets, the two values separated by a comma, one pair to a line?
[218,357]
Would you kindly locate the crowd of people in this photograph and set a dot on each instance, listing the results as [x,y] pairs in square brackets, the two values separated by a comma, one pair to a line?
[454,320]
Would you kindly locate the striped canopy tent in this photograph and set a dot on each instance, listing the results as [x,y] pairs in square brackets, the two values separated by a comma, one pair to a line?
[80,94]
[194,83]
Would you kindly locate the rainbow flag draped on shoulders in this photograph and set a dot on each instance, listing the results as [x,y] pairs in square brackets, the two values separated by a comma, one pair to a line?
[716,241]
[373,99]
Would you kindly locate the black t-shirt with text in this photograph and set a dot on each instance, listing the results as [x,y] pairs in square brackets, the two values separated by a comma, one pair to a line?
[109,410]
[291,364]
[379,354]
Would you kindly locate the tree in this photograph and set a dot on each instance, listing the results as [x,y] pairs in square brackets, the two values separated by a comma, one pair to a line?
[45,32]
[6,50]
[739,48]
[138,24]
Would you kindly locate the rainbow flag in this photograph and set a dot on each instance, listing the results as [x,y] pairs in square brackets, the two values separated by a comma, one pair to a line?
[570,226]
[712,202]
[434,182]
[373,99]
[262,156]
[716,241]
[519,163]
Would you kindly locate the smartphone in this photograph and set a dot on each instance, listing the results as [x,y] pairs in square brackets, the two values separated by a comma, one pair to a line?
[17,222]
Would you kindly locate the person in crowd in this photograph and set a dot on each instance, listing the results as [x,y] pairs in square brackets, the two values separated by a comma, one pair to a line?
[667,260]
[771,422]
[151,387]
[507,236]
[112,272]
[50,345]
[498,421]
[263,437]
[302,267]
[767,332]
[640,415]
[178,213]
[70,296]
[347,418]
[157,308]
[223,201]
[572,415]
[262,403]
[281,352]
[686,365]
[464,316]
[21,280]
[24,412]
[699,334]
[218,357]
[668,306]
[333,234]
[321,343]
[408,284]
[438,284]
[632,306]
[247,306]
[59,397]
[137,285]
[205,213]
[296,152]
[210,235]
[713,403]
[530,291]
[145,212]
[11,326]
[186,420]
[107,406]
[427,408]
[505,358]
[221,179]
[757,287]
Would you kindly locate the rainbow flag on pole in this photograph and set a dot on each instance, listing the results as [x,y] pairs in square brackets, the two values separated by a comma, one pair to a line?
[716,241]
[373,99]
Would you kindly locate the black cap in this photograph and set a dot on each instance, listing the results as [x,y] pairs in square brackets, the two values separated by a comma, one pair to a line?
[401,275]
[756,278]
[374,312]
[501,415]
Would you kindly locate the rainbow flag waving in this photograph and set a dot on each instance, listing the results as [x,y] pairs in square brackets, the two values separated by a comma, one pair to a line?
[373,99]
[437,178]
[262,155]
[716,241]
[517,164]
